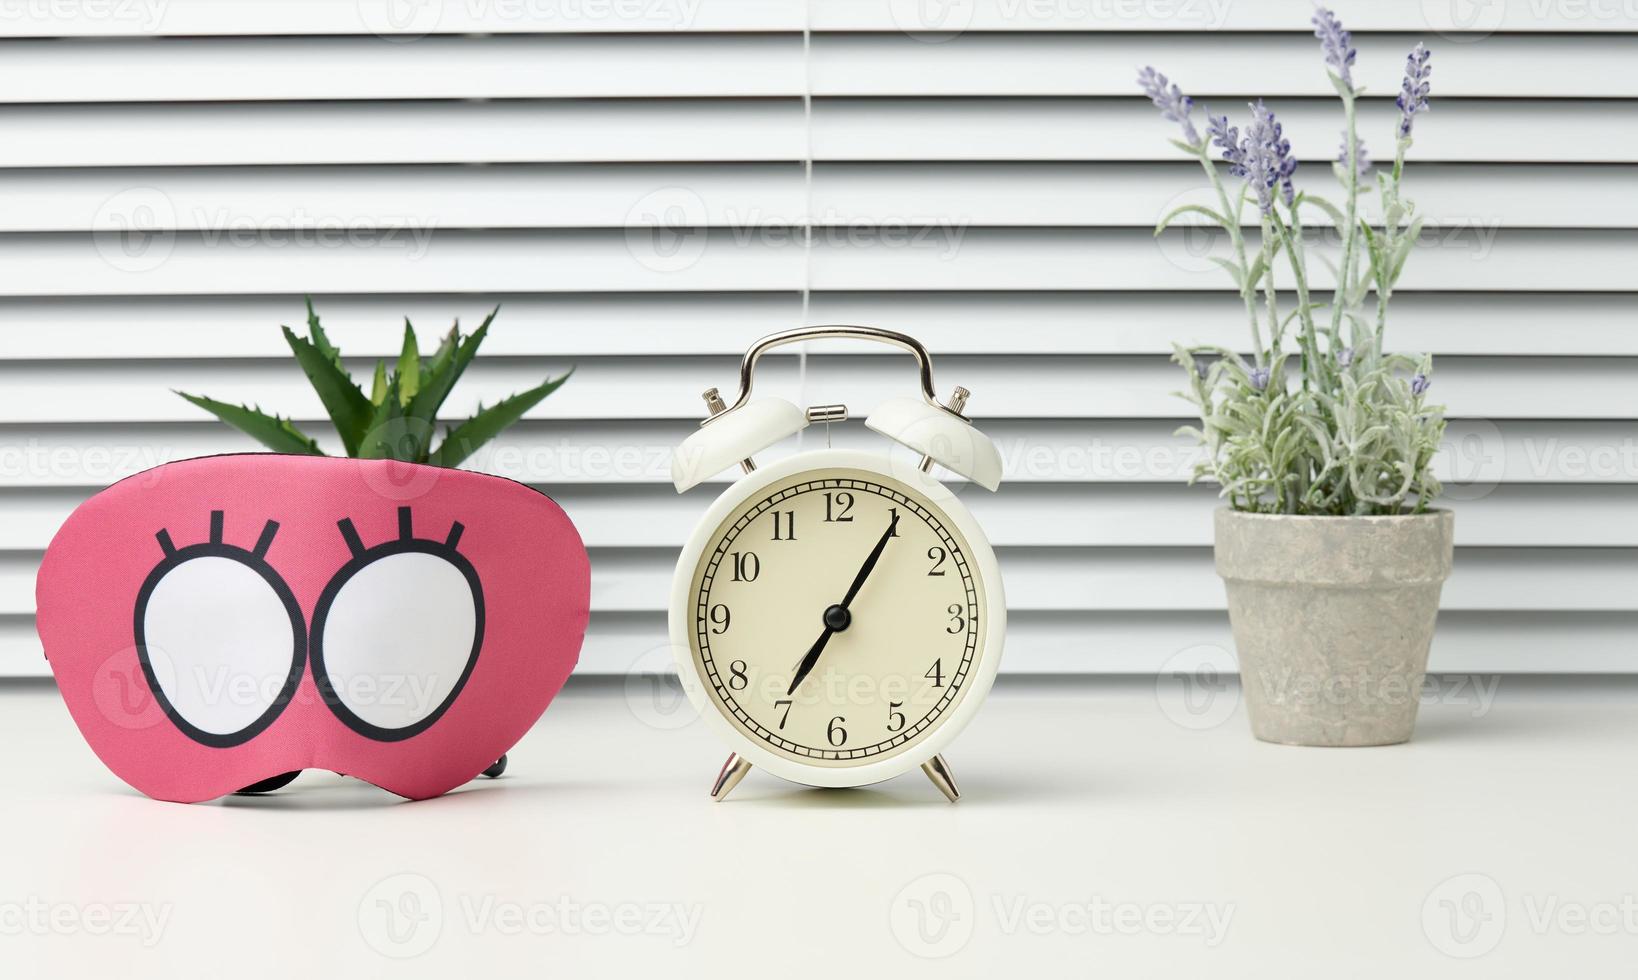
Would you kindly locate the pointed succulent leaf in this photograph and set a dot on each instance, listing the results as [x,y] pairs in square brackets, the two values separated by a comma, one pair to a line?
[271,431]
[387,437]
[342,398]
[437,385]
[465,438]
[409,365]
[446,350]
[318,336]
[378,388]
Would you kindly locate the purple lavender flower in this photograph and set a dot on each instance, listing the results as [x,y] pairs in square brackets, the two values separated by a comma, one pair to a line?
[1420,384]
[1345,357]
[1362,160]
[1170,100]
[1265,158]
[1337,44]
[1227,139]
[1413,95]
[1259,378]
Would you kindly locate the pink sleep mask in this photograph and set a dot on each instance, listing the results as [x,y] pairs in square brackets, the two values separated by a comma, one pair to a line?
[219,623]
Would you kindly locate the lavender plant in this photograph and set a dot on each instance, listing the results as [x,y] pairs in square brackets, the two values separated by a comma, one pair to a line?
[1321,419]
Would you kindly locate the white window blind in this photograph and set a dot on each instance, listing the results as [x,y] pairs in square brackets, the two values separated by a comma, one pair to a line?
[987,182]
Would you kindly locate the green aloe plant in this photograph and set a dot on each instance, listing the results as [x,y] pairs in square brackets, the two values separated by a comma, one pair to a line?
[398,418]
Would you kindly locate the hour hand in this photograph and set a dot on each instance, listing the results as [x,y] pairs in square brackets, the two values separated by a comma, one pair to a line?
[805,668]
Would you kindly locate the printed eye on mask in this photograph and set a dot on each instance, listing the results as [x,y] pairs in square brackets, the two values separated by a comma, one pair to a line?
[217,622]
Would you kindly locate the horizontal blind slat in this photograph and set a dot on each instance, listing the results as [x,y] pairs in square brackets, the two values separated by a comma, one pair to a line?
[596,130]
[1228,66]
[929,22]
[660,259]
[1477,453]
[164,326]
[241,200]
[1034,387]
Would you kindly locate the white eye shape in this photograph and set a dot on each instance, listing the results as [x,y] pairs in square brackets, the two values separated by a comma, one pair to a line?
[220,637]
[397,632]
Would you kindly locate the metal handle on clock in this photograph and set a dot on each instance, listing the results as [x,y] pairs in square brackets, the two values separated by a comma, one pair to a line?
[836,331]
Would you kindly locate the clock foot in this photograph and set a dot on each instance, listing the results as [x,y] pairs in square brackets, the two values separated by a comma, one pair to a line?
[732,772]
[939,772]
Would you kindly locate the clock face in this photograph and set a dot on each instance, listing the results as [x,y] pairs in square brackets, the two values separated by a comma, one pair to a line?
[834,617]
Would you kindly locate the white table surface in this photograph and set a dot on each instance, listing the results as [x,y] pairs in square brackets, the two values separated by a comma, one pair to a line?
[1098,837]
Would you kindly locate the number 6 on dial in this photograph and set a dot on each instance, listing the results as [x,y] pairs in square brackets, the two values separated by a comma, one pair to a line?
[838,616]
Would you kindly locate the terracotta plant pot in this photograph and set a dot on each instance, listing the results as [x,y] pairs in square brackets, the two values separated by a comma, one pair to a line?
[1333,617]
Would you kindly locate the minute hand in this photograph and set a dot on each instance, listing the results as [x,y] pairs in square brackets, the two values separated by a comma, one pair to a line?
[870,563]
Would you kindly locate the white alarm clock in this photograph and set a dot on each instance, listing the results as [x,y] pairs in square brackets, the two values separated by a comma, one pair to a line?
[838,616]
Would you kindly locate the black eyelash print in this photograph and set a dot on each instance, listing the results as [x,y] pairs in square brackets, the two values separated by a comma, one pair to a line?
[363,557]
[254,559]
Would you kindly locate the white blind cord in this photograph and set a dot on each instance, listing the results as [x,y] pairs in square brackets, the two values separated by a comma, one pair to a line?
[807,200]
